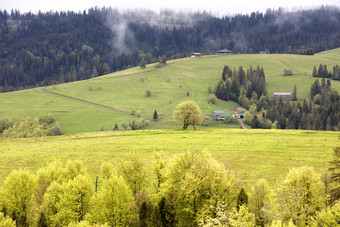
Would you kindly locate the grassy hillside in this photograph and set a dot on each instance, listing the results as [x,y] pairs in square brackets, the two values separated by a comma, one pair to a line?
[253,154]
[169,85]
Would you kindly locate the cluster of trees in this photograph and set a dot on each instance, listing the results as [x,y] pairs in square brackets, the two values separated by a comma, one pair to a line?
[324,73]
[240,86]
[321,112]
[43,125]
[55,47]
[133,124]
[191,190]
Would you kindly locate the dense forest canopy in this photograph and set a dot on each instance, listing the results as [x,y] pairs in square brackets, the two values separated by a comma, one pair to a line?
[55,47]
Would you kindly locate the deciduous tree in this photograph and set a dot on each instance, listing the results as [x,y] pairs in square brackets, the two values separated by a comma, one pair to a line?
[187,113]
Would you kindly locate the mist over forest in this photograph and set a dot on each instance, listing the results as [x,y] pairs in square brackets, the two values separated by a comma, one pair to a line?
[56,47]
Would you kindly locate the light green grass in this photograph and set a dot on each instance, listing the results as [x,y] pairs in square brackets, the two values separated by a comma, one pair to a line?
[169,86]
[253,154]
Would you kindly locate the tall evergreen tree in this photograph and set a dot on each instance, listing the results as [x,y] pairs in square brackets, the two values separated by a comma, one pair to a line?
[155,115]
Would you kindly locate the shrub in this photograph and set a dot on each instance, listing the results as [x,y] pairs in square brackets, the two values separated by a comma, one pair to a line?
[213,98]
[148,93]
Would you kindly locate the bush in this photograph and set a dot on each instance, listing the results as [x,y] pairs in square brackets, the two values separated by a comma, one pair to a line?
[148,93]
[133,112]
[212,98]
[37,127]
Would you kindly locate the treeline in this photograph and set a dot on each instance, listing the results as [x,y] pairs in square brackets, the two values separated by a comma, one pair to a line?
[55,47]
[324,73]
[191,190]
[43,125]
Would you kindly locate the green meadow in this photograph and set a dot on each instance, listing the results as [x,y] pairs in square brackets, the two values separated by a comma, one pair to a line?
[179,80]
[253,154]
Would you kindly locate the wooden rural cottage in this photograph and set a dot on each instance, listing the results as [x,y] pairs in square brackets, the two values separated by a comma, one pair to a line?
[195,55]
[219,115]
[224,52]
[282,95]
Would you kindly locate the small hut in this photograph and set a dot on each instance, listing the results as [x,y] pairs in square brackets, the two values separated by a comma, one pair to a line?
[224,52]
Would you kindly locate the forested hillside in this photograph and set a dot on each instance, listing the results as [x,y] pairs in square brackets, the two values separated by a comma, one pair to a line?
[55,47]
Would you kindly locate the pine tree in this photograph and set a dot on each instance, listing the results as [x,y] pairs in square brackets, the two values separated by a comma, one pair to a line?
[315,72]
[155,115]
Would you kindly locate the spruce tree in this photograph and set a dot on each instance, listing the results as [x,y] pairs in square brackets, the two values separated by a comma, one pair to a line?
[294,95]
[155,115]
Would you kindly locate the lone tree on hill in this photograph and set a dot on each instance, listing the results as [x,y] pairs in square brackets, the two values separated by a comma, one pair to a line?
[188,112]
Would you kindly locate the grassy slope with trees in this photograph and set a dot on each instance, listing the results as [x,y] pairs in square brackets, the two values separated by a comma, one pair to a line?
[169,85]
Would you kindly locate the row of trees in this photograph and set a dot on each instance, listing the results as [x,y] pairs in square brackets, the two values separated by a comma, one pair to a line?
[55,47]
[44,125]
[324,73]
[191,190]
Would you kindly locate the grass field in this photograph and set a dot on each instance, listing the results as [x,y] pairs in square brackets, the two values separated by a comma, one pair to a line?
[253,154]
[169,85]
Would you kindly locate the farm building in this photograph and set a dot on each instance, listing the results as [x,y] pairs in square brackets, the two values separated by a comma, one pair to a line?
[219,115]
[195,55]
[224,52]
[239,114]
[282,95]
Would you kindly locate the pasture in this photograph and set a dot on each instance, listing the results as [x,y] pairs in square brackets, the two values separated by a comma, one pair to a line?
[253,154]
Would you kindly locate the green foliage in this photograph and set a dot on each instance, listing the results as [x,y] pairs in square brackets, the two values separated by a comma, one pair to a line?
[159,170]
[334,168]
[212,99]
[148,93]
[195,182]
[6,221]
[301,195]
[37,127]
[242,198]
[260,202]
[143,63]
[111,204]
[68,202]
[188,112]
[225,217]
[330,216]
[134,173]
[17,193]
[287,72]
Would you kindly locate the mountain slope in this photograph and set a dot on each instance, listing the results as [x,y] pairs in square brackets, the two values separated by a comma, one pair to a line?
[179,80]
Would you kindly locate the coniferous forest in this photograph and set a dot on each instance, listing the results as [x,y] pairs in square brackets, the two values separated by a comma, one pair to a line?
[55,47]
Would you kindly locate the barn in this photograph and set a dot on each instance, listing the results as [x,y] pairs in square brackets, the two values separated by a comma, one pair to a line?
[282,95]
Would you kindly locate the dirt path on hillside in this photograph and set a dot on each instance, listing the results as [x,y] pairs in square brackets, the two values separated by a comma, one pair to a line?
[241,122]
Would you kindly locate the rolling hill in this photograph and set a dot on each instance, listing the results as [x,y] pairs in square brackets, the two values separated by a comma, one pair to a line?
[99,103]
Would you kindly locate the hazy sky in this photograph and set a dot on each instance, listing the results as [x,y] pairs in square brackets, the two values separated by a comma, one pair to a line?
[220,7]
